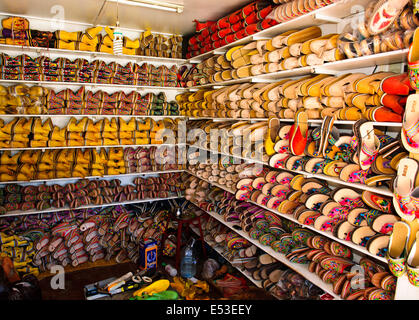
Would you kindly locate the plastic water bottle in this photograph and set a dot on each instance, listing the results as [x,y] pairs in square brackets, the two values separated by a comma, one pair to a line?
[188,261]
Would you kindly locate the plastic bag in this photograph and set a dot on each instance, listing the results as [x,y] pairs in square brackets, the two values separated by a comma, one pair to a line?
[361,38]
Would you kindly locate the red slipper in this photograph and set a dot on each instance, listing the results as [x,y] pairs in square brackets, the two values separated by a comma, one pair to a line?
[399,85]
[223,23]
[241,34]
[298,136]
[383,114]
[224,32]
[234,17]
[262,14]
[247,10]
[394,102]
[237,26]
[199,26]
[253,18]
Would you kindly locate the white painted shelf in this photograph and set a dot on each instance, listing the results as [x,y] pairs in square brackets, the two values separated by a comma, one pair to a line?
[66,208]
[136,174]
[120,58]
[90,85]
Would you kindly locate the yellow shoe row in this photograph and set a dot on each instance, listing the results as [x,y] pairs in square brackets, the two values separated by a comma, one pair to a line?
[31,165]
[32,132]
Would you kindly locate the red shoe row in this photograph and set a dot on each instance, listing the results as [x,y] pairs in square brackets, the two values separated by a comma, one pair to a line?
[241,23]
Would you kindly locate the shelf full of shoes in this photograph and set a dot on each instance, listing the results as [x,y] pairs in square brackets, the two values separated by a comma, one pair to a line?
[225,185]
[290,244]
[54,63]
[221,247]
[374,56]
[74,132]
[287,212]
[262,269]
[336,56]
[350,48]
[81,238]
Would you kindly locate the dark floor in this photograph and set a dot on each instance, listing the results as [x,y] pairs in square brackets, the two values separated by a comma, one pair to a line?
[76,280]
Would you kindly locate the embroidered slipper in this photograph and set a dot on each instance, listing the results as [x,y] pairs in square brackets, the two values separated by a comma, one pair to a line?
[307,217]
[377,202]
[278,160]
[310,185]
[343,230]
[345,196]
[378,245]
[361,235]
[333,168]
[315,201]
[297,182]
[384,223]
[314,165]
[369,145]
[403,185]
[287,207]
[410,127]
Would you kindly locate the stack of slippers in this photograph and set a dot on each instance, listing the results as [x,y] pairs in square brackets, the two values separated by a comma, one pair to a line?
[158,45]
[218,173]
[377,97]
[61,163]
[368,156]
[84,192]
[20,249]
[290,9]
[150,159]
[365,219]
[33,133]
[16,31]
[379,33]
[72,238]
[21,99]
[23,67]
[330,260]
[241,139]
[242,23]
[286,51]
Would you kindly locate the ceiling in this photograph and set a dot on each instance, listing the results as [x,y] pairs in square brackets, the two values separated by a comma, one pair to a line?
[133,17]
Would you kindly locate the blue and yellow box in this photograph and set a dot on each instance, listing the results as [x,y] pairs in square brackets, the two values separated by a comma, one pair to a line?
[148,253]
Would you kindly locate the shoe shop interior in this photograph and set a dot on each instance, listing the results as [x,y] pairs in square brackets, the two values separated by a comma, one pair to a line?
[174,150]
